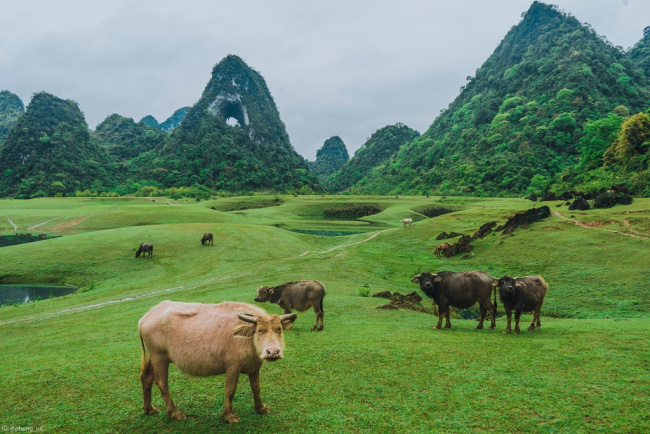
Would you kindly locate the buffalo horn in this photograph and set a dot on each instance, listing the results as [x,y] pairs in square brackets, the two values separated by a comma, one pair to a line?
[247,318]
[288,317]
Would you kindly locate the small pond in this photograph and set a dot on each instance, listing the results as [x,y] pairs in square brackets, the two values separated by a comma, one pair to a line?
[11,294]
[324,233]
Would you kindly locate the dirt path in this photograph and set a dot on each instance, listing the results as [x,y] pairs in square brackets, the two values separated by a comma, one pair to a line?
[40,224]
[344,245]
[588,226]
[13,224]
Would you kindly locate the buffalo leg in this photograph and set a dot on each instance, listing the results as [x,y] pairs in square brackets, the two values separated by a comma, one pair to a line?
[161,372]
[509,315]
[539,322]
[517,315]
[147,377]
[532,324]
[254,379]
[232,377]
[493,316]
[447,323]
[322,318]
[317,315]
[482,310]
[441,313]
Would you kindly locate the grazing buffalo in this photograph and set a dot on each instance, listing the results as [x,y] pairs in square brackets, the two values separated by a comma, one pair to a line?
[522,294]
[459,290]
[205,340]
[299,295]
[408,222]
[441,248]
[144,249]
[207,239]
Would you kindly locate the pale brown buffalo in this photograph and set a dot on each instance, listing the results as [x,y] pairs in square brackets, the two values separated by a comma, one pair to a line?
[209,339]
[299,295]
[440,248]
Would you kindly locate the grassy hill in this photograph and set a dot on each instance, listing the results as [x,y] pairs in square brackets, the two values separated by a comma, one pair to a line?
[72,363]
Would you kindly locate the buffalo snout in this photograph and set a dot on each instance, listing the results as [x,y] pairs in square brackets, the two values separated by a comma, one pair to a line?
[271,354]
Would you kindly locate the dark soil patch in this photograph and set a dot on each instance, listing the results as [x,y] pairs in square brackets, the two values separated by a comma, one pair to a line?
[434,211]
[444,235]
[411,301]
[351,211]
[524,219]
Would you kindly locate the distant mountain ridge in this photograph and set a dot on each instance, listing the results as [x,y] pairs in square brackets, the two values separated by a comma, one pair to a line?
[331,157]
[11,107]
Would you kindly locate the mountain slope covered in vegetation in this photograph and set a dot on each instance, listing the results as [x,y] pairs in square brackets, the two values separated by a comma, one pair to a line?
[516,126]
[378,149]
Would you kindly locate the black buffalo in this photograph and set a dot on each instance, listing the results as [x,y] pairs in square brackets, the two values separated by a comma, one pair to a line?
[459,290]
[522,294]
[144,249]
[207,239]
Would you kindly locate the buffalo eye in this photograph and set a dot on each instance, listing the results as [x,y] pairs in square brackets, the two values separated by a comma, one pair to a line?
[279,329]
[261,331]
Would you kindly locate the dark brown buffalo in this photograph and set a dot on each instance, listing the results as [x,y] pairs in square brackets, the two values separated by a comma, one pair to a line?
[144,249]
[522,294]
[207,239]
[299,295]
[460,290]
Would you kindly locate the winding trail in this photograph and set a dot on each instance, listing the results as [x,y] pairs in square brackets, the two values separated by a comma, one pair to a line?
[585,225]
[344,245]
[13,224]
[166,290]
[40,224]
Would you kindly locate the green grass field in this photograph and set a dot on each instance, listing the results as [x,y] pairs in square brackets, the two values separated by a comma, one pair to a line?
[71,364]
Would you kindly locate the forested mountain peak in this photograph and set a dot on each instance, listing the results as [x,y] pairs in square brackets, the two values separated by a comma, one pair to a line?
[11,107]
[174,120]
[150,121]
[375,151]
[516,125]
[49,151]
[233,138]
[124,139]
[330,158]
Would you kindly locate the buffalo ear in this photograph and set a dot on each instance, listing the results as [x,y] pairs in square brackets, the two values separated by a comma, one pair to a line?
[416,278]
[518,284]
[437,278]
[287,320]
[271,291]
[245,330]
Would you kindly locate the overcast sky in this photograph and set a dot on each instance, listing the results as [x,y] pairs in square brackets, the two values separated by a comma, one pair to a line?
[343,68]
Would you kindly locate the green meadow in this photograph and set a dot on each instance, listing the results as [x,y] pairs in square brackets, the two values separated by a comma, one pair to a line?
[71,364]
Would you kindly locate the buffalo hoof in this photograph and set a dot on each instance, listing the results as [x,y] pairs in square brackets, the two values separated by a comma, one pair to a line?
[231,418]
[320,328]
[447,326]
[531,328]
[152,410]
[264,410]
[176,415]
[479,327]
[516,332]
[313,328]
[491,328]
